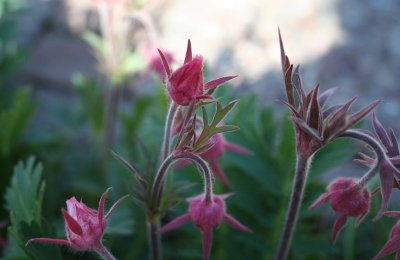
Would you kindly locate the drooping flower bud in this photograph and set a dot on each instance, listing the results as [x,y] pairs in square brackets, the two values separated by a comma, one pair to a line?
[347,199]
[206,215]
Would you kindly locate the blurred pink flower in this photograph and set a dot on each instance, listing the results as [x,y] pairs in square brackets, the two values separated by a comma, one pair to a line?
[206,215]
[215,152]
[347,199]
[155,62]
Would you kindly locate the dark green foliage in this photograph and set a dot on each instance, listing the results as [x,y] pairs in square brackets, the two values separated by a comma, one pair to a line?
[24,199]
[13,121]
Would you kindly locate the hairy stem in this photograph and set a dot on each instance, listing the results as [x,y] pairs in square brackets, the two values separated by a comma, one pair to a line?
[167,131]
[104,253]
[380,154]
[168,162]
[154,238]
[157,189]
[296,198]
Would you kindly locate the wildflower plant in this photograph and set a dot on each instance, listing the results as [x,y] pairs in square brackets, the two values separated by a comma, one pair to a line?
[317,125]
[188,136]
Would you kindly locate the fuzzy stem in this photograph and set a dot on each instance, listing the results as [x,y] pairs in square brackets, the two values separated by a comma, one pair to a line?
[167,163]
[296,198]
[380,154]
[104,253]
[157,189]
[167,131]
[154,238]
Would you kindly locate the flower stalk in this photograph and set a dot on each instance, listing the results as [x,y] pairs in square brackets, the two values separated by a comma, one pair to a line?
[296,198]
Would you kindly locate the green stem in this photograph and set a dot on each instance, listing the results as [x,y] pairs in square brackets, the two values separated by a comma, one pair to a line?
[296,198]
[153,224]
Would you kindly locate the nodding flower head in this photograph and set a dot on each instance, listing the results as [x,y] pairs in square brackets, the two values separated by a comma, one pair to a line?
[206,215]
[186,84]
[347,199]
[84,226]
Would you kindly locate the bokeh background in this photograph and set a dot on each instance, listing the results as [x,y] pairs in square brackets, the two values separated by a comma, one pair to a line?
[58,71]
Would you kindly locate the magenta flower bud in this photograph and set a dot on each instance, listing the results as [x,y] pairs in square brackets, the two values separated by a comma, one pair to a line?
[84,226]
[186,83]
[206,215]
[347,199]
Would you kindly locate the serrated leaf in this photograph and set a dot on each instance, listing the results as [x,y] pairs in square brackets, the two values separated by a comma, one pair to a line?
[21,196]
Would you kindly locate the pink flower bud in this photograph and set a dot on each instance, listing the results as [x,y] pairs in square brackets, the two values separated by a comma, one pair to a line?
[84,226]
[347,199]
[186,83]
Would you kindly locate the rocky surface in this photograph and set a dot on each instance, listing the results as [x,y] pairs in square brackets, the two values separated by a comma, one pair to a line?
[350,44]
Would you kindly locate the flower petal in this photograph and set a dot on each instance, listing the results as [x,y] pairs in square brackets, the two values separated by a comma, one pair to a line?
[395,214]
[321,200]
[386,179]
[49,241]
[392,245]
[237,148]
[216,82]
[207,243]
[188,56]
[72,224]
[219,172]
[100,210]
[381,132]
[175,223]
[337,227]
[236,224]
[165,63]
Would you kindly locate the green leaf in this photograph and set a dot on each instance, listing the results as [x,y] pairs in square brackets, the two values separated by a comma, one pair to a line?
[21,197]
[23,200]
[213,128]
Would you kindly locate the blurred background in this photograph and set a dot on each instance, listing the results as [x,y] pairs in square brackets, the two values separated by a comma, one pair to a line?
[78,77]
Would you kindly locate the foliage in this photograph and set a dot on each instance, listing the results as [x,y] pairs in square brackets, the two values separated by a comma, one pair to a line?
[24,199]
